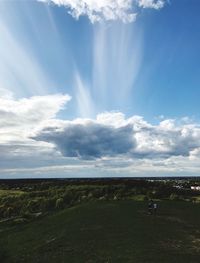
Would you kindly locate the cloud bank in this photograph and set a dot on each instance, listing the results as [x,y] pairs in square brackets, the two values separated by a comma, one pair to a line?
[30,111]
[33,140]
[19,116]
[111,134]
[106,10]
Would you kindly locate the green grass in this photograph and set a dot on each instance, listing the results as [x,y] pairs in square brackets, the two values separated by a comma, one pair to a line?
[10,192]
[112,231]
[197,199]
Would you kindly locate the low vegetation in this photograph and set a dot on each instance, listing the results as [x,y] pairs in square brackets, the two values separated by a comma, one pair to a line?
[28,200]
[99,221]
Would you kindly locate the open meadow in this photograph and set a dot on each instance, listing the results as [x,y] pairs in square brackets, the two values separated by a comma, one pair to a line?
[113,231]
[104,227]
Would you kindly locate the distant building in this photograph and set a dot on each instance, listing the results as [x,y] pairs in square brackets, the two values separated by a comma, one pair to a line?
[195,187]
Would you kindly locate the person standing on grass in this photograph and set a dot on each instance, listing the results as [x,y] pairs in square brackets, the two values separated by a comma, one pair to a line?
[150,207]
[155,206]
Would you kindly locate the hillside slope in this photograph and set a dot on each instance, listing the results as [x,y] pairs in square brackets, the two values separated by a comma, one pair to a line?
[112,231]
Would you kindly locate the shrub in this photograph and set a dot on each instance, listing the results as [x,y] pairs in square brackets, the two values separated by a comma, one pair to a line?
[174,197]
[59,203]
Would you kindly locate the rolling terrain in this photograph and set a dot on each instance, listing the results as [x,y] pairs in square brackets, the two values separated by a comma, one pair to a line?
[107,231]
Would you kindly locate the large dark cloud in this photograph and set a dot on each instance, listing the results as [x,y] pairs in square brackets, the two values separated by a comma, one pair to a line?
[134,138]
[91,140]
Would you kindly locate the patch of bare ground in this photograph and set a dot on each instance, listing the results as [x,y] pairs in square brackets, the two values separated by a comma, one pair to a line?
[170,244]
[195,244]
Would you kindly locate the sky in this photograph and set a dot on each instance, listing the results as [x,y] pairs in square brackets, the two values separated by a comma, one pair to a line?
[93,88]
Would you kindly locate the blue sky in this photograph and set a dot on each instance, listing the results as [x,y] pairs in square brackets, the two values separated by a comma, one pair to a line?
[64,77]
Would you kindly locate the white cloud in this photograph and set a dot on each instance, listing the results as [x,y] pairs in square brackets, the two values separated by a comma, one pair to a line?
[115,119]
[98,10]
[111,134]
[19,117]
[32,139]
[155,4]
[6,94]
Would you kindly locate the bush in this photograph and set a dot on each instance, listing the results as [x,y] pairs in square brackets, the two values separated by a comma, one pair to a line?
[59,203]
[8,212]
[174,197]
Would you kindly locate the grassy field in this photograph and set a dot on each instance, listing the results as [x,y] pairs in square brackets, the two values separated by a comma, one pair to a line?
[10,192]
[107,231]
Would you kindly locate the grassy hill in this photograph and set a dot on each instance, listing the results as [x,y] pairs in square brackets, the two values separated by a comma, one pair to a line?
[107,231]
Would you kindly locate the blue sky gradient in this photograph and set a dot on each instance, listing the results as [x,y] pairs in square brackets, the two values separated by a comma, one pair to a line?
[163,44]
